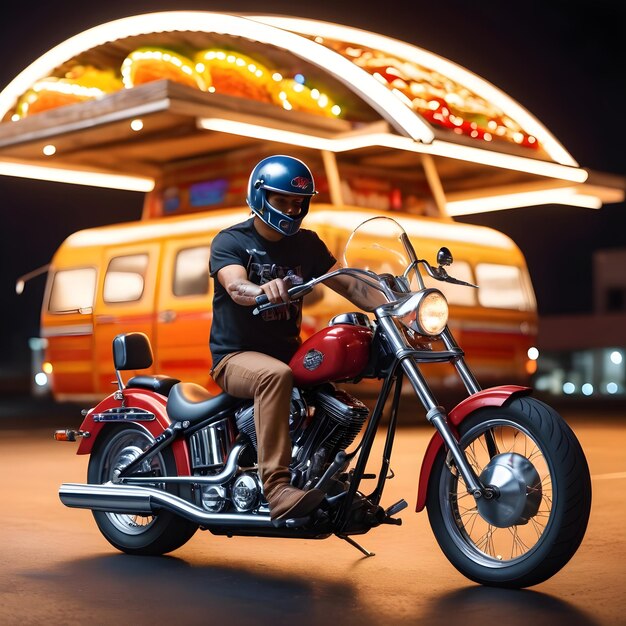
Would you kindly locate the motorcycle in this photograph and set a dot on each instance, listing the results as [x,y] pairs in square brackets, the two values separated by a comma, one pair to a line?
[504,479]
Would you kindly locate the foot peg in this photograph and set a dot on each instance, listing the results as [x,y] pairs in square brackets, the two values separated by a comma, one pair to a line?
[392,510]
[400,505]
[292,522]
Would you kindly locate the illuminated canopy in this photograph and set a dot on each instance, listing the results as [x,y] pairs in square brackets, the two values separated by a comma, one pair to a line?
[91,110]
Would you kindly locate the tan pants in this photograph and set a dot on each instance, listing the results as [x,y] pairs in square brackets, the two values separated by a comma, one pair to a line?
[269,381]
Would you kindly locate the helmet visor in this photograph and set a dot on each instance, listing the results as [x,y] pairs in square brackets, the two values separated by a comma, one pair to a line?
[285,212]
[287,204]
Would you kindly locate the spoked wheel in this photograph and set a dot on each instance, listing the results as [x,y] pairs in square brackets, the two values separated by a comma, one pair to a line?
[134,533]
[538,515]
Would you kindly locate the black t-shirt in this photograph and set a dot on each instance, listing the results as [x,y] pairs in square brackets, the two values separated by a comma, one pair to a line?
[275,332]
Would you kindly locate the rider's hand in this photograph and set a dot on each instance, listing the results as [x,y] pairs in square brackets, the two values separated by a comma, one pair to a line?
[276,291]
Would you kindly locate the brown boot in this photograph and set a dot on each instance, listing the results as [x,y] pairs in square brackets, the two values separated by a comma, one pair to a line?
[287,502]
[271,421]
[270,382]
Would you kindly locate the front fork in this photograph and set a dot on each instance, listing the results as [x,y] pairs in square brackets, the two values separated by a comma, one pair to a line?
[435,414]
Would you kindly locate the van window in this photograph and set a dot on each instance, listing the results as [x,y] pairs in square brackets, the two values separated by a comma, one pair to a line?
[456,294]
[502,286]
[125,276]
[72,290]
[191,272]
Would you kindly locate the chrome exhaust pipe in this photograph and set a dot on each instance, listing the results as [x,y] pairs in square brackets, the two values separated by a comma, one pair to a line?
[133,499]
[229,470]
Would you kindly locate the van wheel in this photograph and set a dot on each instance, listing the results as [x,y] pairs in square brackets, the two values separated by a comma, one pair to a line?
[137,533]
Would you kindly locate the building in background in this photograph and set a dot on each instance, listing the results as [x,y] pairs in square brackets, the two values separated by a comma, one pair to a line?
[585,355]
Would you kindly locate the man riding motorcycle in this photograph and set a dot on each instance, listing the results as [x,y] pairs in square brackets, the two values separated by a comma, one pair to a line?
[267,254]
[504,479]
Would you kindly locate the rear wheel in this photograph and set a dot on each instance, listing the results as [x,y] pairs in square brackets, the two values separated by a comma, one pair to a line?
[132,533]
[535,522]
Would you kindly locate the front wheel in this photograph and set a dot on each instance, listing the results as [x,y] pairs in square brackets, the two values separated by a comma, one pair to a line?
[542,496]
[132,533]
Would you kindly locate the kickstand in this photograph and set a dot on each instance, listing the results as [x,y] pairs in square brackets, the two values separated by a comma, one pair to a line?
[359,547]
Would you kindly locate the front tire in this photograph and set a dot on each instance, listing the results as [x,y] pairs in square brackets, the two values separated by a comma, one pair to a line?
[130,533]
[538,518]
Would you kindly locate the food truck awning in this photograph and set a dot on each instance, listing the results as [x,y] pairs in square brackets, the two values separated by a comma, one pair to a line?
[122,103]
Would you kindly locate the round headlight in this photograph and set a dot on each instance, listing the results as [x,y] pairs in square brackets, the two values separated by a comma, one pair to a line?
[432,313]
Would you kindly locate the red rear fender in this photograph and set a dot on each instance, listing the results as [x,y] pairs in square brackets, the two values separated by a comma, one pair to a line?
[494,396]
[141,399]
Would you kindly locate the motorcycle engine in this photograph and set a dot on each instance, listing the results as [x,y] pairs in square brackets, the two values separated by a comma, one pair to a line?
[339,418]
[322,422]
[244,418]
[326,421]
[246,492]
[214,498]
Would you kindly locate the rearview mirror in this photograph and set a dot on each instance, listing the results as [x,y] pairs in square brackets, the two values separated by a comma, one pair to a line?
[444,256]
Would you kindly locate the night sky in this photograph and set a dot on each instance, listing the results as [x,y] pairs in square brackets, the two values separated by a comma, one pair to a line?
[562,60]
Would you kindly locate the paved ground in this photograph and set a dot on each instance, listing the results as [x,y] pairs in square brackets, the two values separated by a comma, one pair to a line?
[57,569]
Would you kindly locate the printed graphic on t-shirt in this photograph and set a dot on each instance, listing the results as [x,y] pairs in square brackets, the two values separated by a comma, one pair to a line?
[261,273]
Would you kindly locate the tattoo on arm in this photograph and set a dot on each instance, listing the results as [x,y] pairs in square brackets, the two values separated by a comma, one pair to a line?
[243,292]
[235,280]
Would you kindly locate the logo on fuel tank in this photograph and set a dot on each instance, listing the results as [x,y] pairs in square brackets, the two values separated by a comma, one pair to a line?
[312,360]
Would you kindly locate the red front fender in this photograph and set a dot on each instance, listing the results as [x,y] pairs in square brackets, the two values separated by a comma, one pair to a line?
[140,399]
[494,396]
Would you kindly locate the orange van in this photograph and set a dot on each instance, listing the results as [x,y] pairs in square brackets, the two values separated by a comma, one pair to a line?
[152,276]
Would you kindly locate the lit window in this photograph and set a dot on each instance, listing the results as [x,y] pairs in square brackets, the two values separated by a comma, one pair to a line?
[72,290]
[456,294]
[503,287]
[191,272]
[125,278]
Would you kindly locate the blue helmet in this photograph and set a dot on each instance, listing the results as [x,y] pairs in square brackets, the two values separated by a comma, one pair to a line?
[283,174]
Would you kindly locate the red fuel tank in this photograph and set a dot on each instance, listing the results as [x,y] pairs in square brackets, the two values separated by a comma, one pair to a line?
[335,353]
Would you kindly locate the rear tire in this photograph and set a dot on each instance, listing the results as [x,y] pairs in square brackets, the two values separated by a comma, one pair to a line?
[137,534]
[520,538]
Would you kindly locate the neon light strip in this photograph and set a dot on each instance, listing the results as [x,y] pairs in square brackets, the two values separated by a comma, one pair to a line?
[422,57]
[565,195]
[507,161]
[77,177]
[322,215]
[150,229]
[341,144]
[421,228]
[436,148]
[359,81]
[267,133]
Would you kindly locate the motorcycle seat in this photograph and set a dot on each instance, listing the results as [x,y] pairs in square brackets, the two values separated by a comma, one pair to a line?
[158,384]
[193,403]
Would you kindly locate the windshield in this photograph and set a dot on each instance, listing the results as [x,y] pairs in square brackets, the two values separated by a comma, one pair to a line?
[379,246]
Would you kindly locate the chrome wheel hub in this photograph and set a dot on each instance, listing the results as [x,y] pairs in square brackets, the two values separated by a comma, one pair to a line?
[517,488]
[126,457]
